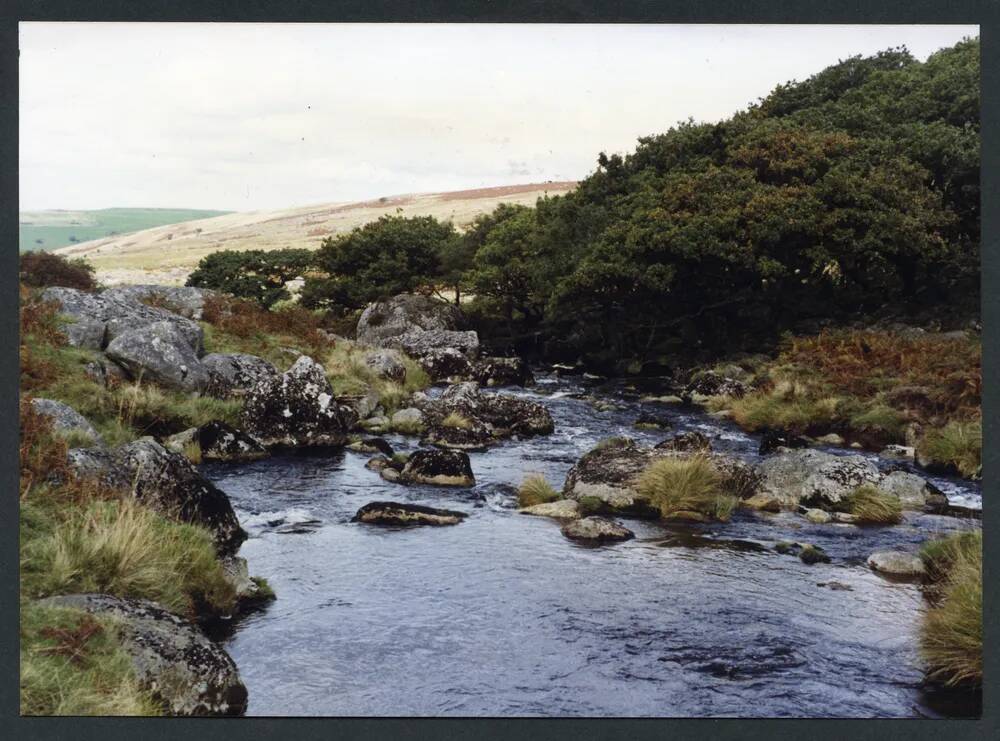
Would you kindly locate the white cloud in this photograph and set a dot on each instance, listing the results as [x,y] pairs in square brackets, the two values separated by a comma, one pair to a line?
[248,116]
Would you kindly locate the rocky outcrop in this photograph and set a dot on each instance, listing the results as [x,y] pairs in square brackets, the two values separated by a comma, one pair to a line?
[387,364]
[232,375]
[595,529]
[65,419]
[172,659]
[168,483]
[187,301]
[488,417]
[822,480]
[297,409]
[400,514]
[501,372]
[98,318]
[383,322]
[106,372]
[439,468]
[896,563]
[160,353]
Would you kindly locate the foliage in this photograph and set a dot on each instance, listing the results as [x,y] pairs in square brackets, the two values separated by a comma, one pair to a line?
[42,269]
[349,374]
[870,505]
[676,485]
[535,490]
[257,275]
[957,444]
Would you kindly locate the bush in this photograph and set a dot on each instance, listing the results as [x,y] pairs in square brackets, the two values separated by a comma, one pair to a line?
[72,664]
[125,549]
[244,326]
[951,637]
[535,490]
[957,444]
[686,485]
[43,269]
[871,505]
[255,275]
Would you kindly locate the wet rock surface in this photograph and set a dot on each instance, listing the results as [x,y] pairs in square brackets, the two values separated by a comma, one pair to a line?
[438,468]
[400,514]
[486,417]
[596,529]
[897,563]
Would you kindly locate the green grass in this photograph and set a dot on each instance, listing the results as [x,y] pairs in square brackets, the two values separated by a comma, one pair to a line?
[345,367]
[73,664]
[870,505]
[408,427]
[677,485]
[56,228]
[535,490]
[951,637]
[124,549]
[590,505]
[958,444]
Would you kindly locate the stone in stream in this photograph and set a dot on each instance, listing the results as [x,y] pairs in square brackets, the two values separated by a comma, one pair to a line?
[217,441]
[709,383]
[439,468]
[896,563]
[596,529]
[776,439]
[688,442]
[372,445]
[502,372]
[402,514]
[171,657]
[562,509]
[651,421]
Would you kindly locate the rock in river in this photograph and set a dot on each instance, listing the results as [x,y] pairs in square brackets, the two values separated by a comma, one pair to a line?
[171,657]
[596,529]
[896,563]
[562,509]
[406,515]
[438,467]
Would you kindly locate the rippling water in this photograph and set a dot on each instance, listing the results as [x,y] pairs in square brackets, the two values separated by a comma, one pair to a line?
[502,615]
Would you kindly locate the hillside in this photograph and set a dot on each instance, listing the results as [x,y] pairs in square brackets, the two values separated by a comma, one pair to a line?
[166,254]
[50,230]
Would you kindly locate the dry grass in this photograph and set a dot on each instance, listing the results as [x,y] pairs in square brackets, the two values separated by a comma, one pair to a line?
[957,444]
[870,505]
[675,485]
[457,421]
[535,490]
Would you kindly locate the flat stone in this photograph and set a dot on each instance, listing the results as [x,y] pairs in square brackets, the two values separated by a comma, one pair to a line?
[896,563]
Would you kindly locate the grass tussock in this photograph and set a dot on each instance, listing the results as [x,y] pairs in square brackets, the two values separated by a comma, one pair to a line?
[72,664]
[951,638]
[871,505]
[457,421]
[535,490]
[125,549]
[686,485]
[957,444]
[408,427]
[349,374]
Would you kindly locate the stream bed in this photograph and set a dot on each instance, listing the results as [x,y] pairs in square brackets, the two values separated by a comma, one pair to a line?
[503,616]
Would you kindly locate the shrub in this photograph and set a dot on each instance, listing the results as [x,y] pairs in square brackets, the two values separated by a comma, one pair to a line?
[951,637]
[245,326]
[256,275]
[43,269]
[957,444]
[871,505]
[127,550]
[72,664]
[535,490]
[675,485]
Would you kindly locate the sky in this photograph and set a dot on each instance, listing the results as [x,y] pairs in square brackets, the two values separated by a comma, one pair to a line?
[262,116]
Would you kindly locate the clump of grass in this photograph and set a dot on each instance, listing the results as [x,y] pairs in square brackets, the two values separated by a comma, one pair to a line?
[265,591]
[535,490]
[951,637]
[675,485]
[957,444]
[869,504]
[125,549]
[192,451]
[611,442]
[400,459]
[245,326]
[457,421]
[73,664]
[407,427]
[590,505]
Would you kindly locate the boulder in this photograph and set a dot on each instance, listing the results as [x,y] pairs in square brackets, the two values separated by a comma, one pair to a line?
[596,529]
[107,315]
[710,383]
[187,301]
[65,419]
[99,464]
[902,452]
[172,658]
[438,467]
[830,439]
[818,516]
[490,416]
[222,442]
[650,420]
[562,509]
[688,442]
[158,352]
[372,445]
[363,405]
[237,573]
[297,409]
[384,321]
[418,343]
[234,374]
[502,372]
[168,483]
[914,492]
[409,417]
[773,440]
[387,364]
[406,515]
[444,363]
[896,563]
[106,372]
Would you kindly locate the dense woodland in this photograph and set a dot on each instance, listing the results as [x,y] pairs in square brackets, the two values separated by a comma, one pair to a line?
[855,192]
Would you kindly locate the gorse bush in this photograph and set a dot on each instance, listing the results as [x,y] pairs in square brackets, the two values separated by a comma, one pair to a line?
[681,486]
[43,269]
[535,490]
[871,505]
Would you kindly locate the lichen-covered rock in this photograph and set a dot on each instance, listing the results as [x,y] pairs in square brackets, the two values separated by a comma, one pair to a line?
[687,442]
[401,514]
[491,416]
[187,301]
[902,452]
[107,315]
[409,417]
[372,445]
[419,342]
[896,563]
[384,321]
[172,659]
[596,529]
[444,363]
[106,372]
[237,573]
[562,509]
[914,492]
[219,441]
[168,483]
[387,364]
[710,383]
[502,372]
[66,419]
[297,409]
[158,352]
[438,467]
[100,464]
[234,374]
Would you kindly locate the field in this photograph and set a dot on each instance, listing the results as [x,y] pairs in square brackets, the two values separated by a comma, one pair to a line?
[167,253]
[49,230]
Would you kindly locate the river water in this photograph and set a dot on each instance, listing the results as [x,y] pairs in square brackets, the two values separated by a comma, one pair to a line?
[503,616]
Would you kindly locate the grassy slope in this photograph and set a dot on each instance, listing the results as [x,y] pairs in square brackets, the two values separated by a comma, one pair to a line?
[55,228]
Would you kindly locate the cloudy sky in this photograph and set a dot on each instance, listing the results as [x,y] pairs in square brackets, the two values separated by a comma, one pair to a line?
[256,116]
